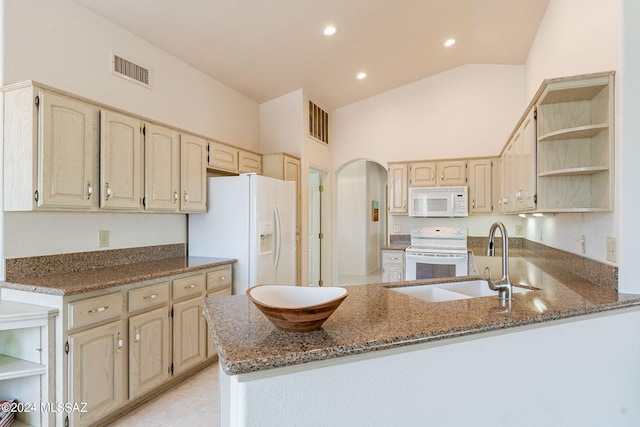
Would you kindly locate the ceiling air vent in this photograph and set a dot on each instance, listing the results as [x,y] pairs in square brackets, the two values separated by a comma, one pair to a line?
[318,123]
[131,71]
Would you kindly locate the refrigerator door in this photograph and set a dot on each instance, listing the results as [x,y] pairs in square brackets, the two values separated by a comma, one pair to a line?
[285,262]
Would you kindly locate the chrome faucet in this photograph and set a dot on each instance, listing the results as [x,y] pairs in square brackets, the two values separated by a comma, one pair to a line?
[503,286]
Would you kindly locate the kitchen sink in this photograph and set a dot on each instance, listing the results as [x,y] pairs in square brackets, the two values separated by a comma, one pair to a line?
[452,291]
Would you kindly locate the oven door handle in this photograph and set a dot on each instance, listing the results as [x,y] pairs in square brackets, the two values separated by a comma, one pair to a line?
[432,255]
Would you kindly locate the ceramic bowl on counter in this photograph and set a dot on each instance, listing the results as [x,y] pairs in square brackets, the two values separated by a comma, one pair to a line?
[297,308]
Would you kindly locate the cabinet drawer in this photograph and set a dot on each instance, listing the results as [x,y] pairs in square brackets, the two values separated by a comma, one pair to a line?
[188,286]
[94,310]
[393,257]
[149,296]
[219,279]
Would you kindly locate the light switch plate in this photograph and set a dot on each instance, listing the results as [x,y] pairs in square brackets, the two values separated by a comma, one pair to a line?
[103,238]
[611,249]
[397,228]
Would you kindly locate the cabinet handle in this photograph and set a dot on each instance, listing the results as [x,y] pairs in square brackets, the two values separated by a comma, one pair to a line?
[432,176]
[137,336]
[473,204]
[175,196]
[185,197]
[220,278]
[442,176]
[191,286]
[99,309]
[120,342]
[107,191]
[152,296]
[89,190]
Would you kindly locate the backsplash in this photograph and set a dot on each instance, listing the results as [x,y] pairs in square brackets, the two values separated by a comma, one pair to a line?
[17,268]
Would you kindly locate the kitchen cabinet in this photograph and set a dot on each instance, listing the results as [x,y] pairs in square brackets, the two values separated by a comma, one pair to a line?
[480,186]
[193,174]
[121,161]
[525,164]
[27,340]
[50,151]
[397,188]
[575,144]
[249,162]
[162,168]
[287,168]
[97,371]
[189,325]
[149,345]
[451,173]
[393,265]
[223,157]
[422,174]
[443,173]
[218,284]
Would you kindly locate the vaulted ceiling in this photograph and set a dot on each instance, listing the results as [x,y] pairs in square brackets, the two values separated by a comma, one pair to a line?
[268,48]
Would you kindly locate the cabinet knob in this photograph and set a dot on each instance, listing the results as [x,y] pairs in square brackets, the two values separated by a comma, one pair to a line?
[185,197]
[107,191]
[120,342]
[137,336]
[89,190]
[175,196]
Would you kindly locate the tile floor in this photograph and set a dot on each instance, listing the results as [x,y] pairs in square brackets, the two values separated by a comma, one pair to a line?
[193,403]
[354,279]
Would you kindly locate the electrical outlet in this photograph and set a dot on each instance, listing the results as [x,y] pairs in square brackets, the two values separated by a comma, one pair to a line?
[611,249]
[397,228]
[103,237]
[519,229]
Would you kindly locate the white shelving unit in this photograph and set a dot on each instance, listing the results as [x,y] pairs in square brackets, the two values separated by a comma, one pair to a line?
[26,359]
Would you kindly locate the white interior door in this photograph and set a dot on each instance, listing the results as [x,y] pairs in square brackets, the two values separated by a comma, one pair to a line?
[314,252]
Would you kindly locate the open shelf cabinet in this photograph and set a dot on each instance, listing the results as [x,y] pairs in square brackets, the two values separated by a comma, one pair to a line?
[575,148]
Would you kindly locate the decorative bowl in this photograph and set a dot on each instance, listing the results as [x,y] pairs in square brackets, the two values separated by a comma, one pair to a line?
[297,308]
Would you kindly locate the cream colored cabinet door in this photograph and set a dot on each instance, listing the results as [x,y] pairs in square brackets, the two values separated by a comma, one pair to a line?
[393,266]
[97,371]
[189,335]
[149,352]
[67,142]
[452,173]
[525,162]
[480,186]
[249,162]
[422,174]
[507,187]
[397,188]
[120,161]
[193,173]
[223,157]
[162,169]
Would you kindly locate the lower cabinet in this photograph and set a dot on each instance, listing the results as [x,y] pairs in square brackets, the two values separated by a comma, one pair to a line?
[123,343]
[97,374]
[189,335]
[149,352]
[392,265]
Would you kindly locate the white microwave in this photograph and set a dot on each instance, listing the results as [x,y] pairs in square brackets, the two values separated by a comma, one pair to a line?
[438,202]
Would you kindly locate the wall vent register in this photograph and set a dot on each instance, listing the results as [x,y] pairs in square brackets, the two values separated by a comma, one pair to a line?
[131,71]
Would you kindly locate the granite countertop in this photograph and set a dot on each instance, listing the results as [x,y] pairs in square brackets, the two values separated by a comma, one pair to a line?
[375,318]
[64,284]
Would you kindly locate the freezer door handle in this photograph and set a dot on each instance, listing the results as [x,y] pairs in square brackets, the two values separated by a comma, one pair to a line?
[276,258]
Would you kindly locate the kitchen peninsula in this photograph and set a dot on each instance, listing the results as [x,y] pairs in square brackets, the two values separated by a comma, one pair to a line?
[383,358]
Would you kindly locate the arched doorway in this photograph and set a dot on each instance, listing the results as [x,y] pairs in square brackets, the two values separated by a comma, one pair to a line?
[360,221]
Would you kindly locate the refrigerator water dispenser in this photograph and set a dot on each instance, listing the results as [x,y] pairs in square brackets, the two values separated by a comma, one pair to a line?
[265,230]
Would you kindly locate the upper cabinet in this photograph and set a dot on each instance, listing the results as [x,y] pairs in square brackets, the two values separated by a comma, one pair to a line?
[121,162]
[249,162]
[50,151]
[193,173]
[397,188]
[480,186]
[576,144]
[422,174]
[223,157]
[442,173]
[452,173]
[162,169]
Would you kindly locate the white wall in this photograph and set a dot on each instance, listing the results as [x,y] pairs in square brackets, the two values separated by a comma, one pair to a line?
[558,374]
[578,37]
[376,190]
[351,235]
[281,124]
[64,45]
[468,111]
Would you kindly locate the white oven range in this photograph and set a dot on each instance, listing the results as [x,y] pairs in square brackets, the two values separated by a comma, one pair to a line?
[436,252]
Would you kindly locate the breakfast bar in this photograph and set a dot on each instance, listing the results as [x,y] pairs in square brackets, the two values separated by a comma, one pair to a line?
[543,358]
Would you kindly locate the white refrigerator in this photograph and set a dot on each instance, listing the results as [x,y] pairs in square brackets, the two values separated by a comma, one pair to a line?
[250,218]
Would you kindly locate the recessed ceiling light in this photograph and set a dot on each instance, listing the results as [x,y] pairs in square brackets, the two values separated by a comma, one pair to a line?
[361,76]
[330,30]
[450,42]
